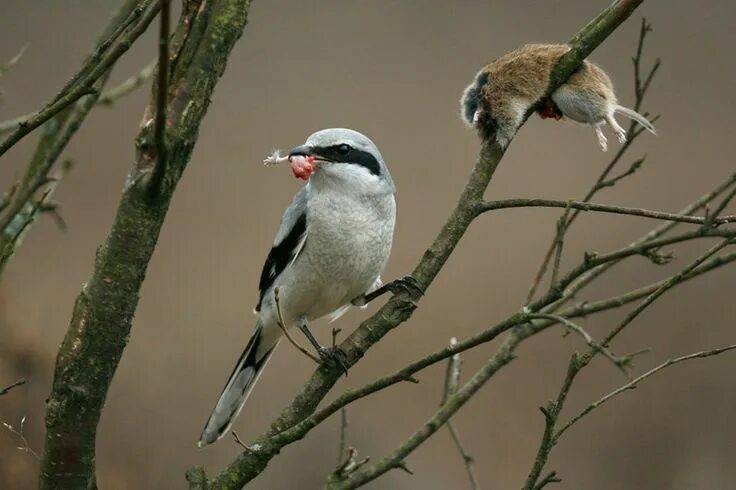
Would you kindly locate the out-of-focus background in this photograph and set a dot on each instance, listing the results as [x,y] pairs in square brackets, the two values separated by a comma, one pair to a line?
[394,70]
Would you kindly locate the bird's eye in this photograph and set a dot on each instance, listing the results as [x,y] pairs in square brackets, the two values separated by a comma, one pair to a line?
[343,149]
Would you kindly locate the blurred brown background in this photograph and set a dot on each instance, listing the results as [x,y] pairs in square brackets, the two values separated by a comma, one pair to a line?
[394,70]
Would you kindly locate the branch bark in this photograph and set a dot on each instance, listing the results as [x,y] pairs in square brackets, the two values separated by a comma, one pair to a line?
[103,313]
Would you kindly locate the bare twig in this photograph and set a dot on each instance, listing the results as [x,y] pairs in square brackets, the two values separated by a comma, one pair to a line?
[239,442]
[601,208]
[108,97]
[452,380]
[621,362]
[20,382]
[343,434]
[126,87]
[12,61]
[277,300]
[550,478]
[634,382]
[21,435]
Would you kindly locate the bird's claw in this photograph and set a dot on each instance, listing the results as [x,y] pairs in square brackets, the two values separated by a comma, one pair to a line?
[334,356]
[406,284]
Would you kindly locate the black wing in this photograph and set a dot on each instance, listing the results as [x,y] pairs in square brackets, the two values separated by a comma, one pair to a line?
[282,254]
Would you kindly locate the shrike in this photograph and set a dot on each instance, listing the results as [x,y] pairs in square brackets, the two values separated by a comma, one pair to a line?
[330,249]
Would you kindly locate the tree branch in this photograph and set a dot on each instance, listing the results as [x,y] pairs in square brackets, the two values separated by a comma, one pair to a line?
[84,84]
[486,206]
[103,312]
[19,210]
[20,382]
[634,382]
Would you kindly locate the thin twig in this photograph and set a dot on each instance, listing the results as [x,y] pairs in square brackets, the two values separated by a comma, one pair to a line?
[669,284]
[487,206]
[621,362]
[26,448]
[276,294]
[343,434]
[634,382]
[550,478]
[452,380]
[108,97]
[126,87]
[559,243]
[240,443]
[20,382]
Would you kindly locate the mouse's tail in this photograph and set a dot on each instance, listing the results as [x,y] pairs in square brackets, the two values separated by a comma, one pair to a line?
[632,114]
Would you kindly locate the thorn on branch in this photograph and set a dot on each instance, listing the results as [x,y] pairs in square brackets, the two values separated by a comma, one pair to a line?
[402,466]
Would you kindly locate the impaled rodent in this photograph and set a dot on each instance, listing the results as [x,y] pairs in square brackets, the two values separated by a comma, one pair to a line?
[501,93]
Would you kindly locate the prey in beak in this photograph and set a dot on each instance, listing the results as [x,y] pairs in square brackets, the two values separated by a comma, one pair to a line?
[300,159]
[302,162]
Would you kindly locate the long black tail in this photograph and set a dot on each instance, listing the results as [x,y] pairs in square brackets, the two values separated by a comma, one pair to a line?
[238,387]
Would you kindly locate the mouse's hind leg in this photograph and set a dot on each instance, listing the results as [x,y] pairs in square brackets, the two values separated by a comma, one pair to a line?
[601,137]
[620,132]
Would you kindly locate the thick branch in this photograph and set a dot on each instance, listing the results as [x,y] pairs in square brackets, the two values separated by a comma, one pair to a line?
[104,310]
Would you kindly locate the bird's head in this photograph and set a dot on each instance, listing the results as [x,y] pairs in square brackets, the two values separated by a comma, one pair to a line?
[340,156]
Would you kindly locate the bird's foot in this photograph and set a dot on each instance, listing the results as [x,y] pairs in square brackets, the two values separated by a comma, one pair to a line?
[333,356]
[405,284]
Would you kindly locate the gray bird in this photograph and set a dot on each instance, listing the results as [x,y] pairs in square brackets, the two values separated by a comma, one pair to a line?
[331,246]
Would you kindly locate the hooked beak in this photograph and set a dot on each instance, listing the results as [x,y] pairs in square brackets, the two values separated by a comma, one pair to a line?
[302,162]
[301,151]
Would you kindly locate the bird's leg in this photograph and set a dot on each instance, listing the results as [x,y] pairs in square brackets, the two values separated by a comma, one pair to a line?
[327,354]
[405,284]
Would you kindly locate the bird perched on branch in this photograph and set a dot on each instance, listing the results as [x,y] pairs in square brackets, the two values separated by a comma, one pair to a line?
[503,91]
[330,249]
